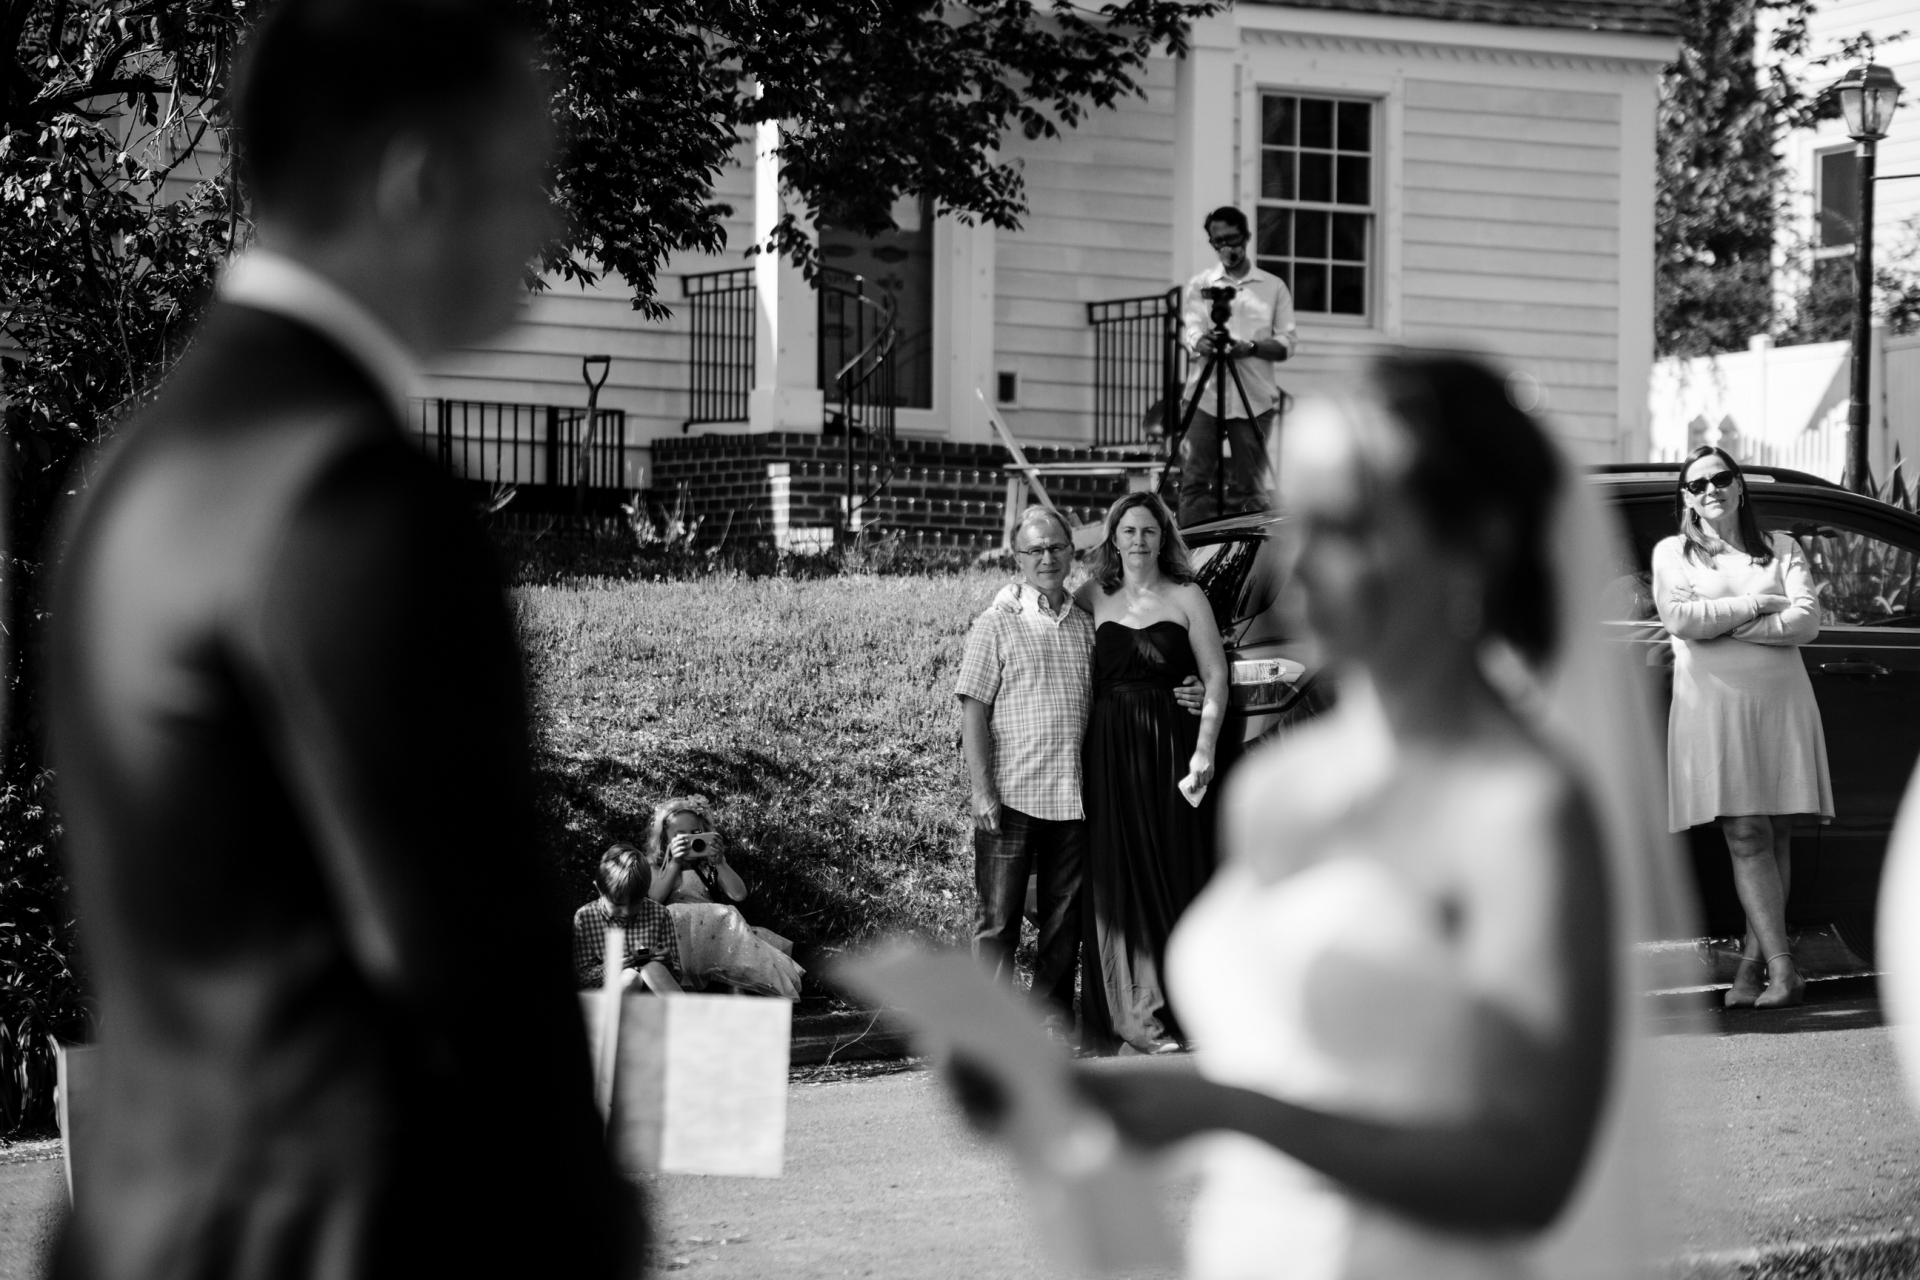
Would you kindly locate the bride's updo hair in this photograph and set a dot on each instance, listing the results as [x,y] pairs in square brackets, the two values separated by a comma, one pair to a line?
[1485,477]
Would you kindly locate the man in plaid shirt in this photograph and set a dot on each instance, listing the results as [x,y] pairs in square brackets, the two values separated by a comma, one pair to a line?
[1023,692]
[651,942]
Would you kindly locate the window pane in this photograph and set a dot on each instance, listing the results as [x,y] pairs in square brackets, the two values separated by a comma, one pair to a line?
[1276,231]
[1839,198]
[1350,237]
[1316,177]
[1316,123]
[1356,126]
[1310,286]
[1861,581]
[1349,291]
[1355,173]
[1276,175]
[1309,234]
[1276,121]
[1280,267]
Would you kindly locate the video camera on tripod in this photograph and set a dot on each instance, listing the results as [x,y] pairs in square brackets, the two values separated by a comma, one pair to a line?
[1219,369]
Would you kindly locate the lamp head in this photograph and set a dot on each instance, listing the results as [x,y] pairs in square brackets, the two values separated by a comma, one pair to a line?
[1868,94]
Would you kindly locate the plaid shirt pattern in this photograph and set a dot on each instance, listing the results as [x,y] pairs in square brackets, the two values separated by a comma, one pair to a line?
[649,929]
[1033,668]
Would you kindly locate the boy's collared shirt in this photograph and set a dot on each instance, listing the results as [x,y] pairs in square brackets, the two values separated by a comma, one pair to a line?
[649,929]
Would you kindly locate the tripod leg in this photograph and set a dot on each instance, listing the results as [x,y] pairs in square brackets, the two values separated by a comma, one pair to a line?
[1246,404]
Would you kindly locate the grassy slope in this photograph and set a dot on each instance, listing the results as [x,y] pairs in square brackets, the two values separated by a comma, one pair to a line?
[819,715]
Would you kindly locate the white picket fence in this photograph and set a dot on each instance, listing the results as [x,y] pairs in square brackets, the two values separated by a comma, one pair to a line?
[1787,406]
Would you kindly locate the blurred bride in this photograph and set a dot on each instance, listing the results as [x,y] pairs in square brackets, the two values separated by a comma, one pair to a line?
[1409,983]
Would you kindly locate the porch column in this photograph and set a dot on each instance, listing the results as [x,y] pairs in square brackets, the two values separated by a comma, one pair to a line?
[786,385]
[1204,120]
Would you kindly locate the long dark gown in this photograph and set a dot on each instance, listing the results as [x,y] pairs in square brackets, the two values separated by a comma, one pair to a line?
[1149,852]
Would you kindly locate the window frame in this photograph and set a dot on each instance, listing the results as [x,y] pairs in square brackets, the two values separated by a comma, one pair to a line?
[1820,157]
[1375,211]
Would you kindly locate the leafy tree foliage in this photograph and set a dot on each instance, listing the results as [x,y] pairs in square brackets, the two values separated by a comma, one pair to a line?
[118,204]
[1745,75]
[1719,184]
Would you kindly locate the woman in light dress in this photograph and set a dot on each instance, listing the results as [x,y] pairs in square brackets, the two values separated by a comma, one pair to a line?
[1404,984]
[1744,742]
[693,880]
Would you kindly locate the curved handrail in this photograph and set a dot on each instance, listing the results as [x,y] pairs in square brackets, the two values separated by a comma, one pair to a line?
[860,369]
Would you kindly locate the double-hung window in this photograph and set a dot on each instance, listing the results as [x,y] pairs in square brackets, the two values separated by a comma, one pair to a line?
[1317,201]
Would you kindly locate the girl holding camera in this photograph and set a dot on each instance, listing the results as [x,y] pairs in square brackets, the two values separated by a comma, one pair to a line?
[692,879]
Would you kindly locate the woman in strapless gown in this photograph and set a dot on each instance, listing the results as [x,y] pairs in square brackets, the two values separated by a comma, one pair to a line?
[1149,845]
[1405,984]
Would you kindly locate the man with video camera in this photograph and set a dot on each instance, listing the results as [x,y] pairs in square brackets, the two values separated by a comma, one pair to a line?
[1226,475]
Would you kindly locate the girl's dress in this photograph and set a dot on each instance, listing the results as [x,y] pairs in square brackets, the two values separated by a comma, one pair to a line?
[719,948]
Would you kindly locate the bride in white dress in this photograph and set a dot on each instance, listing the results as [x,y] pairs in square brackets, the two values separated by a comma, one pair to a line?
[1408,986]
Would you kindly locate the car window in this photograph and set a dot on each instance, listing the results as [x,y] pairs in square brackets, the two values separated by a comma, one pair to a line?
[1239,576]
[1629,591]
[1863,581]
[1222,570]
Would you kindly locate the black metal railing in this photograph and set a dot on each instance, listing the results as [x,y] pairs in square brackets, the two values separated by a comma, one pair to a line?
[528,447]
[858,341]
[720,305]
[1138,367]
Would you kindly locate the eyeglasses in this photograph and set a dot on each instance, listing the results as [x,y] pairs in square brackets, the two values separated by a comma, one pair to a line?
[1719,480]
[1228,242]
[1053,550]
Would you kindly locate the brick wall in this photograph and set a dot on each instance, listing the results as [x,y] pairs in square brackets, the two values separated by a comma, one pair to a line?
[753,486]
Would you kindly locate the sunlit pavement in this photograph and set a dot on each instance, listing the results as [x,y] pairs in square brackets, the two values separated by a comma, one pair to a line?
[1807,1163]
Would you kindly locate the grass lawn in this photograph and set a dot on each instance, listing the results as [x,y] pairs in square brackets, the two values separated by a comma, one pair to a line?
[818,714]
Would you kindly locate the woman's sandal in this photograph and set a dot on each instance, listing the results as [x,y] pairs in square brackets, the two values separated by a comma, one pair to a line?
[1782,992]
[1747,984]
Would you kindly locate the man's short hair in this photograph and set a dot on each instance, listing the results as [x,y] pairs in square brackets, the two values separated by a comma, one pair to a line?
[1230,215]
[324,85]
[1036,513]
[623,875]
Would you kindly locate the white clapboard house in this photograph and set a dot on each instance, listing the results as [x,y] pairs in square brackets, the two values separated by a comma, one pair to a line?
[1473,173]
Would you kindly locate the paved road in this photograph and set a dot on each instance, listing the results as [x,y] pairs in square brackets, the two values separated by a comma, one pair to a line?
[1813,1141]
[1817,1142]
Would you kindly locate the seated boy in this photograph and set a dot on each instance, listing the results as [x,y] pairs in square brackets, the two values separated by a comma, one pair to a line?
[653,953]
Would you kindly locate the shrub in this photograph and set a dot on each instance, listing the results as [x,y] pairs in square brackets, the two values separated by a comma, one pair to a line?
[40,994]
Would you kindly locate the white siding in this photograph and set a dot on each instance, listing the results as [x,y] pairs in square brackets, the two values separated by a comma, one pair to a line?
[538,360]
[1099,227]
[1510,237]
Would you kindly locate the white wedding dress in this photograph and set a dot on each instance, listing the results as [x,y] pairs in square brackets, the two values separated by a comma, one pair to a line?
[1256,971]
[1313,970]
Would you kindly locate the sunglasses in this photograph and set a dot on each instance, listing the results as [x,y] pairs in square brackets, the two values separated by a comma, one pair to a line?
[1719,480]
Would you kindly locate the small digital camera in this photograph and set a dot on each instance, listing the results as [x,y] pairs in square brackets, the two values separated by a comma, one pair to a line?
[700,845]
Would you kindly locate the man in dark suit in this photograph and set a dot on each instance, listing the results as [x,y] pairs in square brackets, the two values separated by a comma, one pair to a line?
[339,1027]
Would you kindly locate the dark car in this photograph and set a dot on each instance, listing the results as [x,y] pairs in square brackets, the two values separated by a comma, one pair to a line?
[1864,665]
[1272,668]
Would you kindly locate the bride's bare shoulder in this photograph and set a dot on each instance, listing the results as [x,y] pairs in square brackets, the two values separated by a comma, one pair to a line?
[1283,798]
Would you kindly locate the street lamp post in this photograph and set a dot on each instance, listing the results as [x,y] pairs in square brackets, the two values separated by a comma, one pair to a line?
[1868,95]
